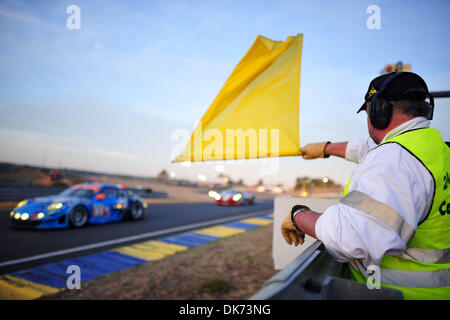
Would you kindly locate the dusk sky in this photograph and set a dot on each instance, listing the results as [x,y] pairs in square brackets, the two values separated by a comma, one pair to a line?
[109,96]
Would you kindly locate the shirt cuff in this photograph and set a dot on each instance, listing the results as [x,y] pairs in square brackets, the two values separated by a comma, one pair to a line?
[319,227]
[356,150]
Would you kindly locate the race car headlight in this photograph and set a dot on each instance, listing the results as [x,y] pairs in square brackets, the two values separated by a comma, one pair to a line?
[21,204]
[237,197]
[55,206]
[24,216]
[217,197]
[212,194]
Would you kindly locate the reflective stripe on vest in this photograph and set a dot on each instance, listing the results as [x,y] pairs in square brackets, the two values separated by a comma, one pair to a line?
[427,255]
[423,270]
[381,211]
[408,278]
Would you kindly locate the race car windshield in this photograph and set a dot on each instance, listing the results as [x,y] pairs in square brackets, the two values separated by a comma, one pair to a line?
[77,192]
[230,192]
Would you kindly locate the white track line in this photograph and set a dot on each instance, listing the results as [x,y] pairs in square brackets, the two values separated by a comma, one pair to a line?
[131,238]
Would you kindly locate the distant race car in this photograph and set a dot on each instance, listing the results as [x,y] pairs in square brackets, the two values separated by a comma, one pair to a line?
[234,198]
[78,205]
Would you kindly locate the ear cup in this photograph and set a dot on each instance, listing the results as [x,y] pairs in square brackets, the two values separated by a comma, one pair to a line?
[380,113]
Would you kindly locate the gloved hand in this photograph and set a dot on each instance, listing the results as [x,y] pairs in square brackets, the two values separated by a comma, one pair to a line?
[290,233]
[314,150]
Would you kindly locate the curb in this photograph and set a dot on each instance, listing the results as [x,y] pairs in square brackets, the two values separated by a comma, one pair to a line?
[50,278]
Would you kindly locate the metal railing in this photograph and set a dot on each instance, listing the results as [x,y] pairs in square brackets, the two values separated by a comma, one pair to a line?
[440,94]
[316,275]
[18,192]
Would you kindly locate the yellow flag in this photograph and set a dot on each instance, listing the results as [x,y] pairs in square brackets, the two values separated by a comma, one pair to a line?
[256,114]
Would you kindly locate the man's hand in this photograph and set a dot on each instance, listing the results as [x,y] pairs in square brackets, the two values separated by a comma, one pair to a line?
[290,234]
[314,150]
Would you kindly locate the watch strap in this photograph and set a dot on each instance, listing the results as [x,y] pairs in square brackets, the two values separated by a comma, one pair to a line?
[296,210]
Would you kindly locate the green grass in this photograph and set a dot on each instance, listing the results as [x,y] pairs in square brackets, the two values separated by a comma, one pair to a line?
[215,286]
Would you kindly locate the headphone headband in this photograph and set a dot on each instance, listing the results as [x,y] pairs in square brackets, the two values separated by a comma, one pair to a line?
[395,75]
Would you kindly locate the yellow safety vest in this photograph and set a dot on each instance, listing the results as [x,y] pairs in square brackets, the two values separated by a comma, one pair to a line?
[423,270]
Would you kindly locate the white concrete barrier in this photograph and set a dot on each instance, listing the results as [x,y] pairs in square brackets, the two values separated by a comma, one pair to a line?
[283,254]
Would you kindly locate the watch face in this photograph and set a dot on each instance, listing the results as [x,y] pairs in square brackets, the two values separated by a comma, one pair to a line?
[293,216]
[298,207]
[298,211]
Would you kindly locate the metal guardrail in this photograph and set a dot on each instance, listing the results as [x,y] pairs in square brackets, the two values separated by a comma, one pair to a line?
[157,195]
[146,193]
[278,286]
[316,275]
[17,192]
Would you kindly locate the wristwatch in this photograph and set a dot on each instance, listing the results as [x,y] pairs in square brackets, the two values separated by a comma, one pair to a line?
[295,211]
[326,155]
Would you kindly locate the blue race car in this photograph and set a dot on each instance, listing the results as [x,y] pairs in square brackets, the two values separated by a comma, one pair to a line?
[78,205]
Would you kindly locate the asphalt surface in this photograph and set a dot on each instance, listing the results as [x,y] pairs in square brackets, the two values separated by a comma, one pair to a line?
[24,243]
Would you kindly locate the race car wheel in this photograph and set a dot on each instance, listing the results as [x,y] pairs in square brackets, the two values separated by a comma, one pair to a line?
[78,217]
[137,211]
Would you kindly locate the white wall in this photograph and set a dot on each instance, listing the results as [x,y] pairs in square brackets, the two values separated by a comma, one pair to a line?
[283,254]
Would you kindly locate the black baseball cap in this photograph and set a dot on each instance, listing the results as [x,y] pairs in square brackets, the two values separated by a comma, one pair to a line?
[407,85]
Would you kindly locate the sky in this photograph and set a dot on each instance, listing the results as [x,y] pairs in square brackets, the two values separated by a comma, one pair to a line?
[110,95]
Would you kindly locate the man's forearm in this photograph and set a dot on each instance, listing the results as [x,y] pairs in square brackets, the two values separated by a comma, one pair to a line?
[306,221]
[336,149]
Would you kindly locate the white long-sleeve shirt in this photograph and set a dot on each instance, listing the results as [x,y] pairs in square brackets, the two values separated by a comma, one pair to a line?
[387,175]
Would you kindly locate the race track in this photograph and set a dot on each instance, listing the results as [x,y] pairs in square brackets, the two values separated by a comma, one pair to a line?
[18,245]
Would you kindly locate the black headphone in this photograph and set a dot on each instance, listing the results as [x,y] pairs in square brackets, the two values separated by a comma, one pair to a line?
[380,110]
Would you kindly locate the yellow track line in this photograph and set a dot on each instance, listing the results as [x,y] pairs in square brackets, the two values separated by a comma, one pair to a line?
[150,250]
[14,288]
[257,221]
[219,231]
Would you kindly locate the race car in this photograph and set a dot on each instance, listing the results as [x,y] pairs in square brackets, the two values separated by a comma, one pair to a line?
[94,203]
[234,198]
